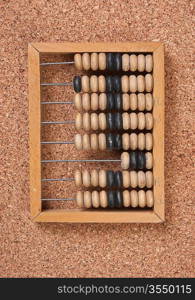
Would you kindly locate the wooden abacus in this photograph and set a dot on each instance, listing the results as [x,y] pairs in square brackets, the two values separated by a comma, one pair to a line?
[126,94]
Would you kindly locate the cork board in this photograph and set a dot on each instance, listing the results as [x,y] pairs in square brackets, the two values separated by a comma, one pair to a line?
[66,250]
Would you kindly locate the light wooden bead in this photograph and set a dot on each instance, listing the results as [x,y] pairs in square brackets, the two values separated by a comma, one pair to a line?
[149,121]
[86,61]
[78,61]
[125,83]
[149,101]
[125,62]
[78,178]
[125,141]
[86,121]
[102,61]
[86,102]
[102,101]
[148,82]
[133,120]
[133,141]
[134,198]
[94,83]
[126,102]
[126,179]
[141,63]
[141,121]
[86,178]
[86,142]
[87,199]
[85,83]
[141,141]
[126,199]
[102,178]
[78,141]
[133,179]
[126,121]
[141,101]
[141,179]
[94,141]
[94,121]
[103,199]
[149,141]
[133,62]
[80,199]
[78,102]
[102,121]
[149,63]
[149,160]
[149,179]
[95,199]
[133,101]
[102,141]
[149,199]
[132,83]
[142,198]
[102,84]
[140,83]
[94,61]
[94,101]
[78,121]
[125,160]
[94,178]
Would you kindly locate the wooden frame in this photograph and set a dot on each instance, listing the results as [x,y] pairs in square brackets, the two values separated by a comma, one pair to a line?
[93,216]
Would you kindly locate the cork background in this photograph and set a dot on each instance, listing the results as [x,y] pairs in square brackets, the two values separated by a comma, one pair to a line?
[80,250]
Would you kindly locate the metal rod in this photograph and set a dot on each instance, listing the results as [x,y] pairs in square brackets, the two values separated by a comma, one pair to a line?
[57,63]
[58,199]
[56,143]
[80,160]
[57,84]
[56,123]
[57,179]
[54,102]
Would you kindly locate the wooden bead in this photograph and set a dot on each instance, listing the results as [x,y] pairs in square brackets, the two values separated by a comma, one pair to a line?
[102,61]
[78,141]
[126,179]
[78,61]
[102,84]
[149,199]
[132,83]
[125,160]
[86,61]
[102,179]
[126,199]
[125,102]
[149,121]
[95,199]
[149,160]
[141,62]
[102,121]
[94,101]
[94,178]
[140,83]
[126,121]
[149,82]
[102,101]
[86,101]
[87,199]
[149,63]
[133,141]
[149,101]
[86,122]
[94,121]
[133,62]
[86,178]
[142,198]
[125,62]
[149,179]
[78,101]
[141,121]
[103,199]
[141,141]
[85,83]
[94,61]
[125,141]
[141,101]
[94,83]
[94,141]
[141,179]
[78,178]
[149,141]
[102,141]
[86,142]
[133,101]
[134,198]
[133,179]
[79,199]
[78,121]
[133,120]
[125,83]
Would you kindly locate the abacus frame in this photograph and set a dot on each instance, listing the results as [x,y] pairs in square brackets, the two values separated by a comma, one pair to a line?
[157,215]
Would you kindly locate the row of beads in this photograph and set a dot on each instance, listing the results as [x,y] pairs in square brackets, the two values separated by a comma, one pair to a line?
[115,199]
[114,121]
[113,62]
[112,101]
[103,178]
[116,84]
[111,141]
[136,160]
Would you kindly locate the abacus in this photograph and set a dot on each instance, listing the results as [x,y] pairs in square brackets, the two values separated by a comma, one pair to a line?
[117,91]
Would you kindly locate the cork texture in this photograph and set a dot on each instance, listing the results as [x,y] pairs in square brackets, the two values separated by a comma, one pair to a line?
[92,250]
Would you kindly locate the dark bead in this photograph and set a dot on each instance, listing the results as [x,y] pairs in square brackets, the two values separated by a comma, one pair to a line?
[118,179]
[118,121]
[141,160]
[110,102]
[116,83]
[118,142]
[111,196]
[110,141]
[133,160]
[77,84]
[118,101]
[110,61]
[110,178]
[118,199]
[118,62]
[110,121]
[109,84]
